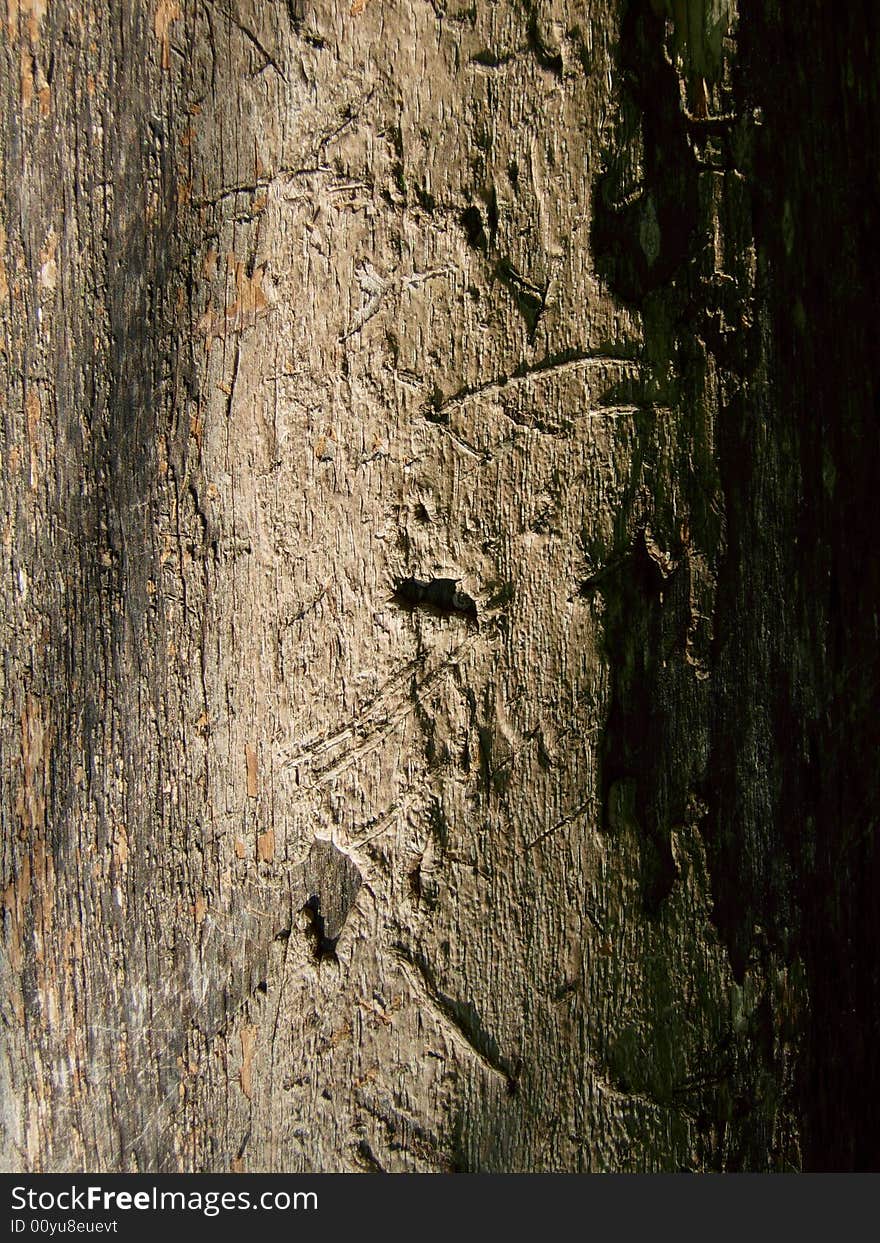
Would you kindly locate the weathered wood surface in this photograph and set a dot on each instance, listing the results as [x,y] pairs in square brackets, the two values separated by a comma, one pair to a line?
[304,299]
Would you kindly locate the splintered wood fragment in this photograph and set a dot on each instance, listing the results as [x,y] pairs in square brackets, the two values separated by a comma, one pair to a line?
[250,756]
[248,1048]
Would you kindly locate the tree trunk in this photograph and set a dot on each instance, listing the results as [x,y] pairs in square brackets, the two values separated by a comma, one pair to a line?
[568,300]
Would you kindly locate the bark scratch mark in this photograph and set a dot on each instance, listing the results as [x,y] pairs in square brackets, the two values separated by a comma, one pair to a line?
[373,725]
[458,1019]
[560,824]
[572,360]
[253,40]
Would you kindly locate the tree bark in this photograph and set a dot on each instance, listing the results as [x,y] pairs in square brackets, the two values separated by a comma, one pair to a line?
[305,872]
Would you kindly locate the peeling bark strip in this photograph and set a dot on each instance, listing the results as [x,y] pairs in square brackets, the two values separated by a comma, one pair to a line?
[332,881]
[295,294]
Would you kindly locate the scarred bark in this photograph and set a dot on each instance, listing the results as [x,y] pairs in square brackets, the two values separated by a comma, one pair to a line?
[304,302]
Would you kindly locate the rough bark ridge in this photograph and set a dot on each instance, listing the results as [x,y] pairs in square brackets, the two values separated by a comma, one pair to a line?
[303,300]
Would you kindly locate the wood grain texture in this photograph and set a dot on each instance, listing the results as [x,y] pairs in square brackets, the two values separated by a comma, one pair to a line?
[301,300]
